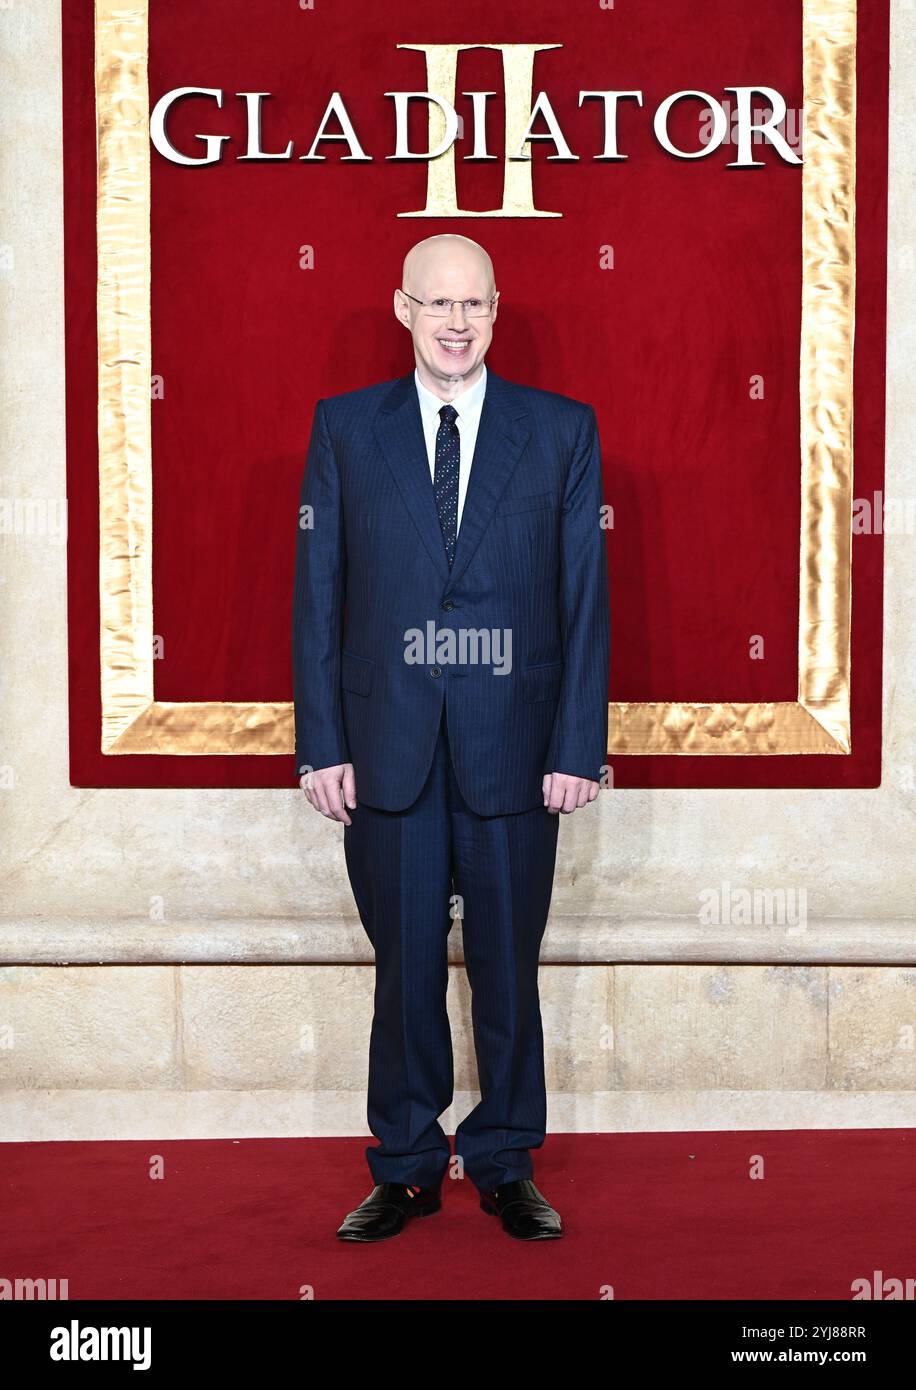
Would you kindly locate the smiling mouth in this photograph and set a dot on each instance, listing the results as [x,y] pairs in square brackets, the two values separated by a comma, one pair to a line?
[455,347]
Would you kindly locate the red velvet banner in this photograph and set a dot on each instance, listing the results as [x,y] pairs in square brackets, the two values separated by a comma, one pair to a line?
[703,296]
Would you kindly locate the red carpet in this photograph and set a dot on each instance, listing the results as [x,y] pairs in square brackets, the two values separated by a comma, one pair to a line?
[657,1216]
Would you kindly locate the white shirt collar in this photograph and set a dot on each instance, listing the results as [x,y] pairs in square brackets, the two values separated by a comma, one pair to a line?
[465,403]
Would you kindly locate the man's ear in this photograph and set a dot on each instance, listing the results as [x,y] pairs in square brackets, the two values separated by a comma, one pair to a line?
[401,311]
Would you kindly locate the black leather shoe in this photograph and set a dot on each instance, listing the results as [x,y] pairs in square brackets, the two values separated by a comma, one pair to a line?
[387,1209]
[526,1213]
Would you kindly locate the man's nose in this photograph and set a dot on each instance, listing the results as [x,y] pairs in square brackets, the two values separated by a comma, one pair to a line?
[456,318]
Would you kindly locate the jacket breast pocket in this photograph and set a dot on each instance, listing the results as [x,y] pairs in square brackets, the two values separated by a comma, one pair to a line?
[356,673]
[533,502]
[542,682]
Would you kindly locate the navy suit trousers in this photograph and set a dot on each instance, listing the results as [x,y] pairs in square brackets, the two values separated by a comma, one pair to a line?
[407,869]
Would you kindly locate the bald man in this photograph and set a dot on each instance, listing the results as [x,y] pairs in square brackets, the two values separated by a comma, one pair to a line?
[451,647]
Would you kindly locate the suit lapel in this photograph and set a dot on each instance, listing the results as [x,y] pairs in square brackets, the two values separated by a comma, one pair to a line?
[501,437]
[399,430]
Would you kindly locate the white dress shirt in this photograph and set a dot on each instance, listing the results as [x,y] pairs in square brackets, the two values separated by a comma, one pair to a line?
[468,405]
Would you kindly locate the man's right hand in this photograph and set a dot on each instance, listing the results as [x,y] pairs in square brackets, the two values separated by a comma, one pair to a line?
[331,790]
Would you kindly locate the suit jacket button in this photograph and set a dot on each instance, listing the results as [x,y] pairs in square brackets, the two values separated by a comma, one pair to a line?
[448,605]
[436,671]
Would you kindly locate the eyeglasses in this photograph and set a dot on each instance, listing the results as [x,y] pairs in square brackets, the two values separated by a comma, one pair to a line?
[441,308]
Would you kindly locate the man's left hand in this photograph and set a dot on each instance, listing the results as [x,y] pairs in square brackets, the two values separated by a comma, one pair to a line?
[565,793]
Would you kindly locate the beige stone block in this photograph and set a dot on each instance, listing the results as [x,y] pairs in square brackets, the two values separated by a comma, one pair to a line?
[706,1027]
[872,1035]
[577,1007]
[93,1027]
[276,1027]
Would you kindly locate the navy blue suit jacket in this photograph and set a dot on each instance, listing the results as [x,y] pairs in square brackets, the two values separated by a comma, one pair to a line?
[371,567]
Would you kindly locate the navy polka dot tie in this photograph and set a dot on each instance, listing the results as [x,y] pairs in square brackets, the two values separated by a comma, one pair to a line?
[445,482]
